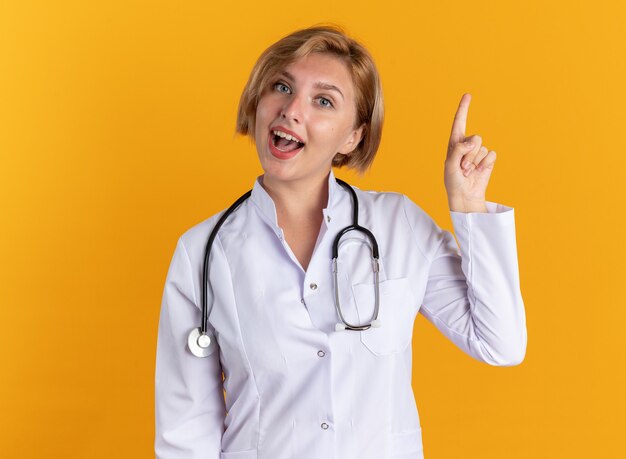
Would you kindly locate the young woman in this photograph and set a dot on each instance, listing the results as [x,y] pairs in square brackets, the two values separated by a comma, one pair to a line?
[307,347]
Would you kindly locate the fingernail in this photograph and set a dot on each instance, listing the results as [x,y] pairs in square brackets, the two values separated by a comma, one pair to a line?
[465,164]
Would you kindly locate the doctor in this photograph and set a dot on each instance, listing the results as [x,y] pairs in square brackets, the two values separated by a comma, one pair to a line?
[281,381]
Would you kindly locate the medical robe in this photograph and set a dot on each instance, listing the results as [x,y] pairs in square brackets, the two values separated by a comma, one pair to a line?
[295,388]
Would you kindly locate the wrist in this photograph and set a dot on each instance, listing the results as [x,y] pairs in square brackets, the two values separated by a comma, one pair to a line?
[465,205]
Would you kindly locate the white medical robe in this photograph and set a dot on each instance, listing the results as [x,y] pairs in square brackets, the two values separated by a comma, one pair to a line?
[295,387]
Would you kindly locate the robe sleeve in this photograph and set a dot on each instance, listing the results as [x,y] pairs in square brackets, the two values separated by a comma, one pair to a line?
[189,398]
[473,290]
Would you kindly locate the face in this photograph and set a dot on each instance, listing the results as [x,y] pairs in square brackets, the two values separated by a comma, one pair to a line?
[305,118]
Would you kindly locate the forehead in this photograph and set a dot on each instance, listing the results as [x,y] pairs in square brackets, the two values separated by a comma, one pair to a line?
[320,68]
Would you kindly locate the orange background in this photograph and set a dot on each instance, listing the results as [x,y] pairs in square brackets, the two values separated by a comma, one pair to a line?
[116,135]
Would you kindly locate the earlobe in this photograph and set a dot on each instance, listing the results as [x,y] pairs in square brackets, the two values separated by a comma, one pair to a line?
[353,141]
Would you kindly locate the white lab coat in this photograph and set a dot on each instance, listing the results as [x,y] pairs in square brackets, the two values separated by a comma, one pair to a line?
[295,387]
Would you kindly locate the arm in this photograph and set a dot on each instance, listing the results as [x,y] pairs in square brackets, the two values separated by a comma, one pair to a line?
[473,295]
[189,398]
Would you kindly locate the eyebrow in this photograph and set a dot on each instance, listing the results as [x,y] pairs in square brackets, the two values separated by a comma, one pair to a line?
[318,85]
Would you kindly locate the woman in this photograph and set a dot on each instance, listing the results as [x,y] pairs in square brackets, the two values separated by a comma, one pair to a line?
[297,383]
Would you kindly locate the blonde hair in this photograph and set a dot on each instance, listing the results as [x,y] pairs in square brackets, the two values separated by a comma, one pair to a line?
[367,87]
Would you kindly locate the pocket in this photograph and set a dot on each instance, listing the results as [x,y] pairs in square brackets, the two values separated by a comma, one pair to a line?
[395,314]
[407,445]
[250,454]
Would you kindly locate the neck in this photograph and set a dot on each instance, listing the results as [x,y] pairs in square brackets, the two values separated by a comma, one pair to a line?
[298,202]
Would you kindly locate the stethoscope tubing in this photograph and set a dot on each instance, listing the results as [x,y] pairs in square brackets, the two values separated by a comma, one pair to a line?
[375,256]
[207,255]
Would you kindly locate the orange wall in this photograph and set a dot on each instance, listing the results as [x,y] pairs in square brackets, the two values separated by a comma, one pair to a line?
[116,135]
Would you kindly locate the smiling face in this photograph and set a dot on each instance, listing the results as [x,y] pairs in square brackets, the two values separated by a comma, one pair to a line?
[304,118]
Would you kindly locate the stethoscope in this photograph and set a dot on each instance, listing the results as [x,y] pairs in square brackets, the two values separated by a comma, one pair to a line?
[201,344]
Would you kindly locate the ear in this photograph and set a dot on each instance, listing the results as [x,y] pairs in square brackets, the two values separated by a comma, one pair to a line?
[353,140]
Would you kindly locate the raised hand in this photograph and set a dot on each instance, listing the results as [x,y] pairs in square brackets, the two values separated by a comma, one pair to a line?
[468,165]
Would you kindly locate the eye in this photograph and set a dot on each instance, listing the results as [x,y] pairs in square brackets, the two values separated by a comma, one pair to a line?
[324,102]
[282,87]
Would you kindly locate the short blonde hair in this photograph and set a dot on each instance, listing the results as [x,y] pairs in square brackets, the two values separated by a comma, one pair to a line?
[367,86]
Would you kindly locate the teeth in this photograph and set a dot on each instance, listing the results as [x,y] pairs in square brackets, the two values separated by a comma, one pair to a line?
[284,135]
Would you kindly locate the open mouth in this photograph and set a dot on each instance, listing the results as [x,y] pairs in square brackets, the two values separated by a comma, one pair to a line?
[285,142]
[284,145]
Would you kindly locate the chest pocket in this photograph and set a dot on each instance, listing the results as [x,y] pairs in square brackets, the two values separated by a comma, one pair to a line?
[395,314]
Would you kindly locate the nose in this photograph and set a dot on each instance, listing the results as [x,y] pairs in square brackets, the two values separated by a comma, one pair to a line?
[292,109]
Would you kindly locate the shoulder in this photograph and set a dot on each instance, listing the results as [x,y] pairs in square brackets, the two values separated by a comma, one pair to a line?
[398,209]
[390,201]
[195,238]
[190,250]
[379,201]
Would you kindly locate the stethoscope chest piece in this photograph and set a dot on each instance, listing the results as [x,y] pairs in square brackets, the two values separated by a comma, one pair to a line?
[200,344]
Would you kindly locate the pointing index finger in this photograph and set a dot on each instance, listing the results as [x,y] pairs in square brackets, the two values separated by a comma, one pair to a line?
[460,120]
